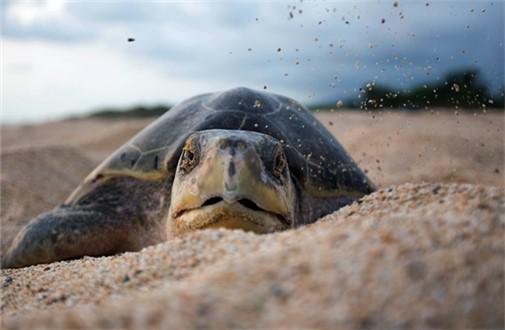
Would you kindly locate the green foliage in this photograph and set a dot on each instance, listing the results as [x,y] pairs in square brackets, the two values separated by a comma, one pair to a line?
[133,112]
[460,89]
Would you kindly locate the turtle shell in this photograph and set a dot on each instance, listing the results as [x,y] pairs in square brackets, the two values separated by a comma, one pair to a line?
[316,160]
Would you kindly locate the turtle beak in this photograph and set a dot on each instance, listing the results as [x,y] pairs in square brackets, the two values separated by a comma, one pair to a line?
[229,188]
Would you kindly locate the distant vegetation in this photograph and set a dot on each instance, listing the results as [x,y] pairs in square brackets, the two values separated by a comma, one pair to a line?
[133,112]
[462,89]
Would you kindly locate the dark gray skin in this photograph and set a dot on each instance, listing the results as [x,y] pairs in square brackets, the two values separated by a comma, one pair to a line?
[123,204]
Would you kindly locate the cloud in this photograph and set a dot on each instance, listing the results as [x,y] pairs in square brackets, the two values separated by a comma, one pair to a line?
[76,79]
[46,21]
[327,49]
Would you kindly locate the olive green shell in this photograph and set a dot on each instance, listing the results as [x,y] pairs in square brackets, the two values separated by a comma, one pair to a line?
[318,162]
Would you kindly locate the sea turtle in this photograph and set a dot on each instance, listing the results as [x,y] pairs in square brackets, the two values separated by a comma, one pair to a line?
[236,159]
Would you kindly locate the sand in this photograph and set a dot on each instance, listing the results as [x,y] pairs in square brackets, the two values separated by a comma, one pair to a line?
[426,250]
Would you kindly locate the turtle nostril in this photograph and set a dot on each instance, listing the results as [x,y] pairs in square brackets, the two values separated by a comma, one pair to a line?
[212,201]
[250,204]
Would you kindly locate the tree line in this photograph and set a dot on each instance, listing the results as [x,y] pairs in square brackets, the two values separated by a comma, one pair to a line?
[461,89]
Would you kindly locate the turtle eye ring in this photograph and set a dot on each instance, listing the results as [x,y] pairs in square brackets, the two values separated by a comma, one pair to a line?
[189,157]
[280,163]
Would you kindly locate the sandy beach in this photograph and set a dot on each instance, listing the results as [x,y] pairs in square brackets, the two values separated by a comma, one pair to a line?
[425,251]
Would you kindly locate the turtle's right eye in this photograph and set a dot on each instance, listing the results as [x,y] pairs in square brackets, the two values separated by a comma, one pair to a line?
[189,157]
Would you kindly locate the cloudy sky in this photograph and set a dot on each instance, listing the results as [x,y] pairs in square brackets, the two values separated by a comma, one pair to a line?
[62,58]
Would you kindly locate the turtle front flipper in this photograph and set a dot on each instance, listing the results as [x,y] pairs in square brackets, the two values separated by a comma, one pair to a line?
[118,215]
[65,233]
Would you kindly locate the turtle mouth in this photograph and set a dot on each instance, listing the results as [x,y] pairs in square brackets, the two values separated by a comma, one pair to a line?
[216,212]
[247,203]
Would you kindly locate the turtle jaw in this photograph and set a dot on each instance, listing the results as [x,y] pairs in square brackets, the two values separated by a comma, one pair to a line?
[221,214]
[227,181]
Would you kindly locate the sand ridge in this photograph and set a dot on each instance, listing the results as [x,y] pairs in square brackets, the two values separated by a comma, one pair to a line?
[401,257]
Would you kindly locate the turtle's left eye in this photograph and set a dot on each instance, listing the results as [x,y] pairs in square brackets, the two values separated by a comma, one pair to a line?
[189,157]
[280,163]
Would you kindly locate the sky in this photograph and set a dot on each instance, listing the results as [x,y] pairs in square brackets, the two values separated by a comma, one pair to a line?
[66,58]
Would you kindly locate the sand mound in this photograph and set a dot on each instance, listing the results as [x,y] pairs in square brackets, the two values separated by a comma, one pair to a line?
[34,180]
[95,138]
[423,255]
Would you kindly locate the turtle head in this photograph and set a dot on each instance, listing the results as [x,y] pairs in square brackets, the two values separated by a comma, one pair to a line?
[232,179]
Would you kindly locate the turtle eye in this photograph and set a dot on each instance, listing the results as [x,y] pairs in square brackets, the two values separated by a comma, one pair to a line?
[189,157]
[280,163]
